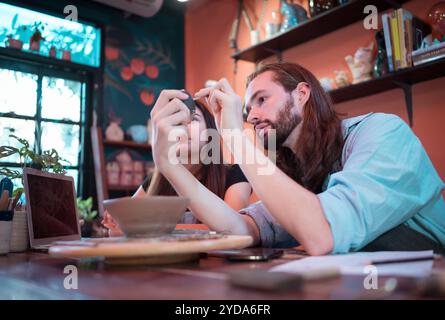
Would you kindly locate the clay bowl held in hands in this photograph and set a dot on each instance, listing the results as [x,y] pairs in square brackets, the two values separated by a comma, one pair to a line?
[145,217]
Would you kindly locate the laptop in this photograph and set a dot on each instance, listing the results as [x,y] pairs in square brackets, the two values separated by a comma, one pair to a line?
[51,208]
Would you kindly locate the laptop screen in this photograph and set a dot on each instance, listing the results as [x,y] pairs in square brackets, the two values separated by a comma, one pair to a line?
[53,207]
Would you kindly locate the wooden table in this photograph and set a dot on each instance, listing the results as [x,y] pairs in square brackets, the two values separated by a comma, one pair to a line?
[35,275]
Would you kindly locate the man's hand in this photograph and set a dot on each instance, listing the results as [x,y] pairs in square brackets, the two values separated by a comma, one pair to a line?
[226,105]
[169,118]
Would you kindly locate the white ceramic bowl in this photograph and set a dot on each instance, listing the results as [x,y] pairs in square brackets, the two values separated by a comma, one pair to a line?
[143,217]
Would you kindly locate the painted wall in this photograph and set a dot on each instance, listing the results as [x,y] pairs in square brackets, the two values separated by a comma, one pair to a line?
[142,57]
[207,28]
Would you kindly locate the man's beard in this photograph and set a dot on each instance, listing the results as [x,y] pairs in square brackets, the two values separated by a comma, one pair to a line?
[283,126]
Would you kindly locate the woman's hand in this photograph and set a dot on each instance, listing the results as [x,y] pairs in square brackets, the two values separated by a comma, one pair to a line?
[112,226]
[226,105]
[169,118]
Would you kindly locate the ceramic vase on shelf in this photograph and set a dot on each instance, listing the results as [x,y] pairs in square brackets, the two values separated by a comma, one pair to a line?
[53,52]
[66,55]
[34,45]
[114,132]
[436,18]
[381,61]
[318,6]
[113,172]
[293,15]
[14,43]
[274,25]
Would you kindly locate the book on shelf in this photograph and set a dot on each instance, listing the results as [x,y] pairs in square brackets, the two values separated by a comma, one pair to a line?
[387,36]
[403,34]
[429,54]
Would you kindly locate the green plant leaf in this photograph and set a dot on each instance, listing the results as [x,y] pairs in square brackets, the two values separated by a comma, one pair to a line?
[14,21]
[6,151]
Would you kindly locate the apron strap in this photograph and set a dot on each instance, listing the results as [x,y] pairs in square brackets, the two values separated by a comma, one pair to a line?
[403,238]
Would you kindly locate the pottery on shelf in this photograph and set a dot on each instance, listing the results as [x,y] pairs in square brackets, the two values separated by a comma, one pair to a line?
[52,52]
[138,133]
[327,83]
[341,78]
[66,55]
[274,25]
[113,172]
[436,18]
[381,61]
[293,14]
[361,64]
[14,43]
[114,132]
[318,6]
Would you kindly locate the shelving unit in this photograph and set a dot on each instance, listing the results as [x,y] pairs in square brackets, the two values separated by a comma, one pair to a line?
[313,28]
[335,19]
[99,144]
[403,79]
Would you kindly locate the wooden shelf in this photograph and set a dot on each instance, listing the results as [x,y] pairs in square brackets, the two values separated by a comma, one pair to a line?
[20,55]
[127,144]
[402,79]
[320,25]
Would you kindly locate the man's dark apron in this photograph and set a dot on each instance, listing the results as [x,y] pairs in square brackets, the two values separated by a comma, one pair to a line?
[402,237]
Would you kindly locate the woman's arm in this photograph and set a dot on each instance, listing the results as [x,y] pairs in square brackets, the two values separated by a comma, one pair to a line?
[207,206]
[237,195]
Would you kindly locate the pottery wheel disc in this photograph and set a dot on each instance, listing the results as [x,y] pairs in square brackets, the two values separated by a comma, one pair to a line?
[148,251]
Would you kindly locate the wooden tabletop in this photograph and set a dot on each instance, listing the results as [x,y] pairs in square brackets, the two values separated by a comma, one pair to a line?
[35,275]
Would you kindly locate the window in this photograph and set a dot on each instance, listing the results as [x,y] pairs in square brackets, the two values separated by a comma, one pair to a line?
[57,37]
[48,111]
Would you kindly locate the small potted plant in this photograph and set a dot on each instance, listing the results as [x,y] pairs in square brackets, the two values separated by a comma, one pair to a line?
[36,38]
[87,216]
[14,43]
[53,51]
[49,160]
[12,40]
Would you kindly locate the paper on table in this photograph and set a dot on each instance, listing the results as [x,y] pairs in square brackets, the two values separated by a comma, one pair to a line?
[354,263]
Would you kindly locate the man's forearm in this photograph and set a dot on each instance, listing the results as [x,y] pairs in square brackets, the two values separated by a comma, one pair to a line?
[297,209]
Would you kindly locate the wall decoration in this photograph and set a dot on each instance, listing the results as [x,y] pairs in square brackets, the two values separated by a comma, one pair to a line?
[143,56]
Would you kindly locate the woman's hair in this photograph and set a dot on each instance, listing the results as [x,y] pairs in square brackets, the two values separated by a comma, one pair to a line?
[212,175]
[320,143]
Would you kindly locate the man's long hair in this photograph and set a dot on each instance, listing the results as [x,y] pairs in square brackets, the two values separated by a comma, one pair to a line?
[320,142]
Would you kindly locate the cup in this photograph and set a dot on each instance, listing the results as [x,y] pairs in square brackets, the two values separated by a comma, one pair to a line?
[272,29]
[19,232]
[5,230]
[254,37]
